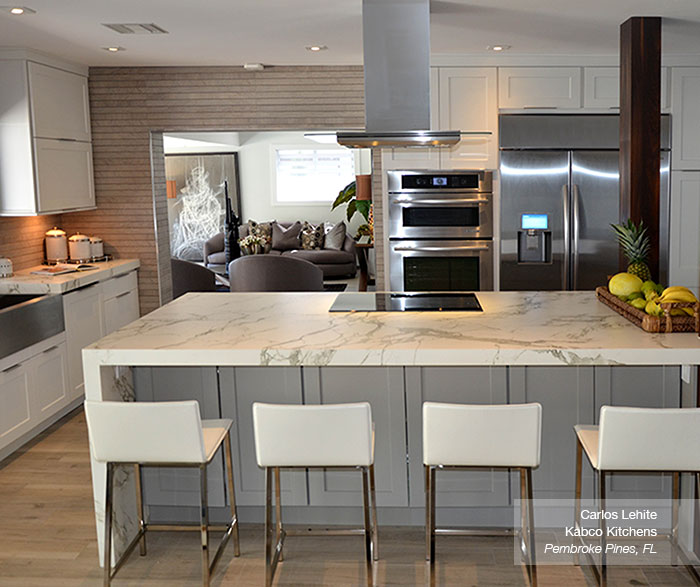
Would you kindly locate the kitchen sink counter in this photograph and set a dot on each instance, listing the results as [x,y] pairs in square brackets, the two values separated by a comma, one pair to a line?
[291,329]
[24,282]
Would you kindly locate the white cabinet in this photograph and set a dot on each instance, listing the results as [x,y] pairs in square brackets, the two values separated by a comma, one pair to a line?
[64,178]
[686,118]
[93,312]
[50,381]
[15,400]
[120,301]
[684,248]
[469,102]
[539,87]
[33,390]
[45,149]
[601,88]
[82,312]
[59,102]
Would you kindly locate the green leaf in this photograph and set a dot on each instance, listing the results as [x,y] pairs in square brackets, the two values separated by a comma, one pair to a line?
[362,207]
[351,209]
[344,195]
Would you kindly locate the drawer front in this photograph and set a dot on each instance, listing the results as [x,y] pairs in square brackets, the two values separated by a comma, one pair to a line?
[119,285]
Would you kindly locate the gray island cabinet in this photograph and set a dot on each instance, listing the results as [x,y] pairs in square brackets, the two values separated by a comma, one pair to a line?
[562,349]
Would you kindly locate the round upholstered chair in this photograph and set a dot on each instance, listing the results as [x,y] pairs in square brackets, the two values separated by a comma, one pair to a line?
[274,273]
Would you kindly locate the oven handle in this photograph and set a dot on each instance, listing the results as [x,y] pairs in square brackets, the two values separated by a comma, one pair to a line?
[441,201]
[441,249]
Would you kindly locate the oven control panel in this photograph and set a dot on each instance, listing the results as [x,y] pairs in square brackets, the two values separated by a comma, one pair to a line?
[444,181]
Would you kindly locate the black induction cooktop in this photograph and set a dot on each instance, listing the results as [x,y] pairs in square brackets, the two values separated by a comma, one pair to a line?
[406,302]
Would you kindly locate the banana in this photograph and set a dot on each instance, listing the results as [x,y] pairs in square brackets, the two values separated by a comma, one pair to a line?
[689,311]
[678,296]
[676,289]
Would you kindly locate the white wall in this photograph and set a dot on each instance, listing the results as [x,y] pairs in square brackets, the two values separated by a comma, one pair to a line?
[256,167]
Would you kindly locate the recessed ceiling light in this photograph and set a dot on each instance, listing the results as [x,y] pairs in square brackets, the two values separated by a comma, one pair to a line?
[498,48]
[19,10]
[114,49]
[316,48]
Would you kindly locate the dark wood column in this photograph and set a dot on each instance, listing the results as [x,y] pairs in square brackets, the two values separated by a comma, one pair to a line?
[640,126]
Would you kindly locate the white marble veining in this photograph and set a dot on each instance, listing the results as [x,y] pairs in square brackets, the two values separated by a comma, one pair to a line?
[24,282]
[515,328]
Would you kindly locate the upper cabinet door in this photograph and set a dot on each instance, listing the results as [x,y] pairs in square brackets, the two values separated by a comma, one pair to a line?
[686,118]
[539,87]
[60,104]
[64,179]
[469,103]
[601,88]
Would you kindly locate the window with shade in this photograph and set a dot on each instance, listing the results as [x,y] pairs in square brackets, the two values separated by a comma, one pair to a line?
[310,176]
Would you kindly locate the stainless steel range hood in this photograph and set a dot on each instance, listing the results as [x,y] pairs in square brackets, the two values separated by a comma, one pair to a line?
[396,38]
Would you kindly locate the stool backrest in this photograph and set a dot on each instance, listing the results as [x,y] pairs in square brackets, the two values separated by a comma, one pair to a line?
[313,436]
[482,435]
[145,432]
[648,439]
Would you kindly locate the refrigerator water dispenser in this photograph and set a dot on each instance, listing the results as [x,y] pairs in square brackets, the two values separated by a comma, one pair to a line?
[534,239]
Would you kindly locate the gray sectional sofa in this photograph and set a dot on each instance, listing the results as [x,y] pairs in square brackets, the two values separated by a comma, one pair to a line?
[333,263]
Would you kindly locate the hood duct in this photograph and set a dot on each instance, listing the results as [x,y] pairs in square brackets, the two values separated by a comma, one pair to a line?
[396,42]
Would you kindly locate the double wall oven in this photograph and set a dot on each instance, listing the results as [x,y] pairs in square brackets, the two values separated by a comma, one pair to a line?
[440,230]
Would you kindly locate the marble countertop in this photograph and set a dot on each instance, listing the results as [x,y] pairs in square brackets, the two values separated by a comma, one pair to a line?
[24,282]
[515,328]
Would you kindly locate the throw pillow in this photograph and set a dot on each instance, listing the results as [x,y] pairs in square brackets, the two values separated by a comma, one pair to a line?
[335,236]
[285,239]
[263,230]
[311,236]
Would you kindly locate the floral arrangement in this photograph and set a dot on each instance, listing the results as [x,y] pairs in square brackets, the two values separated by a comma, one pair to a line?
[253,244]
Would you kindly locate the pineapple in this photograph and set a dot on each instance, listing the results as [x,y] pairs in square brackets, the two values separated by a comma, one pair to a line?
[635,244]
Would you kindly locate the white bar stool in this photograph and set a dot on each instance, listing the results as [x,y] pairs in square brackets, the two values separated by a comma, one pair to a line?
[160,434]
[337,436]
[640,440]
[458,436]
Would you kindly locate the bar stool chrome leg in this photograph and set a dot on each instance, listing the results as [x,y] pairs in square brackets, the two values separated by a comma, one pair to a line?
[577,494]
[373,495]
[603,541]
[204,524]
[531,529]
[109,492]
[232,495]
[368,525]
[139,505]
[278,511]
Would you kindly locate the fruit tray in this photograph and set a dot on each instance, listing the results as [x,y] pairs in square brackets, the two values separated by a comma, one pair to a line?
[665,323]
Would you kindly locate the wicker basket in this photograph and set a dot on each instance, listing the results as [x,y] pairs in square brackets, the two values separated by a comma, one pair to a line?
[665,323]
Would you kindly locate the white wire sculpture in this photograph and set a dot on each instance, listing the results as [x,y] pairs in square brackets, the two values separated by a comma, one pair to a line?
[201,216]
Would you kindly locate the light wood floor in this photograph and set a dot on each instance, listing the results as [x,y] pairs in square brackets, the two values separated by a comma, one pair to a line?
[47,538]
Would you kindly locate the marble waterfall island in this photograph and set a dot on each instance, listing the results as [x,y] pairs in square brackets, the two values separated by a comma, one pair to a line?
[564,349]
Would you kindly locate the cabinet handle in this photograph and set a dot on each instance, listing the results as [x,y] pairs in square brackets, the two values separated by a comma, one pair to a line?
[53,348]
[68,140]
[121,295]
[540,107]
[12,368]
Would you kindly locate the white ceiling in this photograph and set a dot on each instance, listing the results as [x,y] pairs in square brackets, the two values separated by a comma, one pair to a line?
[233,32]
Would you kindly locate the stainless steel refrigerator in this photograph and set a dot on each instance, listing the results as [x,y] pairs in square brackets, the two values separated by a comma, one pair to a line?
[559,195]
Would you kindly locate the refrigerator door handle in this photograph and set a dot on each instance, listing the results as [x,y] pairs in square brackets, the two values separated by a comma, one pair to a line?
[567,236]
[574,240]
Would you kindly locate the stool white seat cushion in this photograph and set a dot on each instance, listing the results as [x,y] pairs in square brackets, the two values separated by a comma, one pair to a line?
[588,435]
[152,432]
[482,435]
[337,435]
[649,439]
